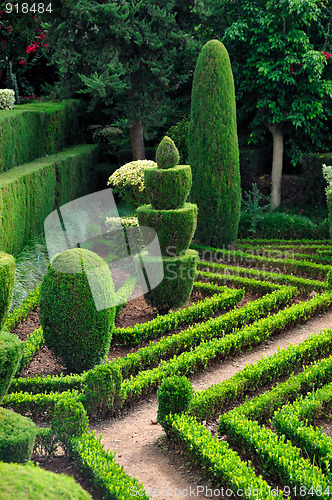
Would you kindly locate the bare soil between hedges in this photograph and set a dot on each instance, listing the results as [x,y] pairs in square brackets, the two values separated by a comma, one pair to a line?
[140,443]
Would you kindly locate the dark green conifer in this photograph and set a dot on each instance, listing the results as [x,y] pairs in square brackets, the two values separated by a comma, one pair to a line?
[213,147]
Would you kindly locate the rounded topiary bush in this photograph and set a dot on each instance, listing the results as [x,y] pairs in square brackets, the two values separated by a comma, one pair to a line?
[10,356]
[175,228]
[17,437]
[69,419]
[102,389]
[168,188]
[73,328]
[174,396]
[128,181]
[7,279]
[167,154]
[24,482]
[175,289]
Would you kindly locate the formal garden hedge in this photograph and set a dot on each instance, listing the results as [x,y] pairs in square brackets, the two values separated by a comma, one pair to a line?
[200,341]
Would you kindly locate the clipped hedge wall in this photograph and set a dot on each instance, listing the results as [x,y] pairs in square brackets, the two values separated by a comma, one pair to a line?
[34,130]
[28,192]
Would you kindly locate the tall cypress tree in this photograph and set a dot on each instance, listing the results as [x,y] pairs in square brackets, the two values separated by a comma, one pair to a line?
[213,147]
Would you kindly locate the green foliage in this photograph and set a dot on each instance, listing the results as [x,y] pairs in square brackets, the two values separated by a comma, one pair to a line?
[329,279]
[174,396]
[100,465]
[54,178]
[17,437]
[175,289]
[213,147]
[281,224]
[285,54]
[102,389]
[34,130]
[175,228]
[217,458]
[10,355]
[69,419]
[179,134]
[167,154]
[33,483]
[149,48]
[7,278]
[168,188]
[20,313]
[128,181]
[327,174]
[73,328]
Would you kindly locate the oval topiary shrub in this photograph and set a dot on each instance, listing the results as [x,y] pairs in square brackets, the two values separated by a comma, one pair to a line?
[174,396]
[175,228]
[168,188]
[73,328]
[10,356]
[69,419]
[175,289]
[167,154]
[102,389]
[17,437]
[7,279]
[24,482]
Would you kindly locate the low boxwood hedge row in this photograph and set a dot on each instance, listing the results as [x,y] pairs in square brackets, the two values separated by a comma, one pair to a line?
[303,284]
[279,458]
[218,459]
[293,421]
[19,314]
[265,242]
[268,369]
[249,284]
[103,470]
[168,322]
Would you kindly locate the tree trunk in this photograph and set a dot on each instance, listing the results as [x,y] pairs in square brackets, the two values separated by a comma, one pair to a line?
[136,137]
[278,150]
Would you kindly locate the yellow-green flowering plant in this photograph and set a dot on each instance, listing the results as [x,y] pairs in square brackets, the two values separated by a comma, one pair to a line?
[128,181]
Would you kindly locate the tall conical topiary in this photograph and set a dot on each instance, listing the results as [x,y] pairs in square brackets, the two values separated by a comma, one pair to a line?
[213,147]
[174,221]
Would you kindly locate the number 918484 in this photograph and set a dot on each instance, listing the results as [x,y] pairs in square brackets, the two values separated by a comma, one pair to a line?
[25,8]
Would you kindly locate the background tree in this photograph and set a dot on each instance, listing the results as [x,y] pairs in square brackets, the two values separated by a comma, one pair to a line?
[282,82]
[125,55]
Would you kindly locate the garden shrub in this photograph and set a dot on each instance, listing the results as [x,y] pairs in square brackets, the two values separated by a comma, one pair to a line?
[174,396]
[31,483]
[73,328]
[10,355]
[69,419]
[327,173]
[102,389]
[213,147]
[128,181]
[179,134]
[7,99]
[175,222]
[7,279]
[17,437]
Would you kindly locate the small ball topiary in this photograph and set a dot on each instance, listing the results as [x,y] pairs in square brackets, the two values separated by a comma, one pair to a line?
[7,278]
[73,328]
[167,154]
[26,482]
[102,389]
[174,396]
[17,437]
[69,419]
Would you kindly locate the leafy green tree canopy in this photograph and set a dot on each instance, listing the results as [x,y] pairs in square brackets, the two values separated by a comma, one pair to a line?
[125,54]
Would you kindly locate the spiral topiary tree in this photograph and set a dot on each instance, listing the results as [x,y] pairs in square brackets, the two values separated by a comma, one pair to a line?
[73,328]
[213,147]
[167,187]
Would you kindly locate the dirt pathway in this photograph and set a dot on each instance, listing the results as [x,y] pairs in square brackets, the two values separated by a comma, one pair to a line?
[138,439]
